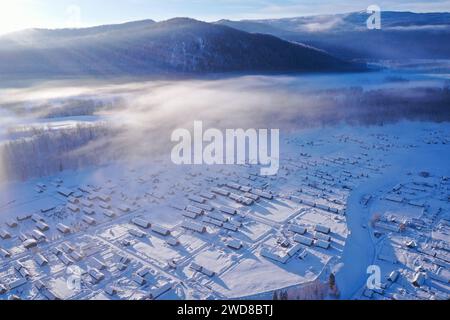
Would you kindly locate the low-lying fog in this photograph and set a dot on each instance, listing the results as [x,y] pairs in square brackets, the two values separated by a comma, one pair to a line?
[55,126]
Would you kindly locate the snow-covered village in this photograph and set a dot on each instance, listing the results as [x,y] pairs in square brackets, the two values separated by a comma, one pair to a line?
[340,202]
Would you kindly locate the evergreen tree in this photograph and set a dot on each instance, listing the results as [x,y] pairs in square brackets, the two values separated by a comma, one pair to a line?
[332,281]
[275,295]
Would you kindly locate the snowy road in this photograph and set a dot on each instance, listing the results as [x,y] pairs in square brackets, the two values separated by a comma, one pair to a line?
[358,252]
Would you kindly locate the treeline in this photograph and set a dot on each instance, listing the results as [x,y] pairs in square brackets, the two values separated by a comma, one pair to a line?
[79,107]
[50,151]
[60,108]
[356,106]
[393,104]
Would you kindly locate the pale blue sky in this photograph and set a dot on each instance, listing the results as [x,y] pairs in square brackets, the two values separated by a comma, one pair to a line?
[20,14]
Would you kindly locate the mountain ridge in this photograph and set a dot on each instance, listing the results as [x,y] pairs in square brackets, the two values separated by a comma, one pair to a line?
[403,35]
[178,45]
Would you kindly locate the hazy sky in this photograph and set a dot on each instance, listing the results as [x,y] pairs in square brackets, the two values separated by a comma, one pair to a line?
[21,14]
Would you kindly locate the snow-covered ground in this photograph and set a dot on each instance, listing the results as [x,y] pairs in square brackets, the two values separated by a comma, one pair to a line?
[91,206]
[150,229]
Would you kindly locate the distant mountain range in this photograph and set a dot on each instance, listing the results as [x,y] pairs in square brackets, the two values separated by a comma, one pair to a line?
[179,45]
[403,35]
[326,43]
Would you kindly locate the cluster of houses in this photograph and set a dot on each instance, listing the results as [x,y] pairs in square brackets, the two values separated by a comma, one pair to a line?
[302,237]
[28,239]
[219,206]
[200,212]
[81,202]
[93,270]
[33,229]
[144,224]
[91,202]
[424,237]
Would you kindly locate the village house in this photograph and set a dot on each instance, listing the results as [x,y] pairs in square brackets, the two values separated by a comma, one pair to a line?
[64,192]
[4,234]
[37,218]
[89,211]
[172,241]
[262,194]
[207,195]
[96,275]
[217,216]
[96,263]
[196,199]
[303,240]
[297,229]
[322,236]
[77,256]
[140,222]
[23,217]
[89,220]
[124,208]
[110,290]
[105,205]
[393,276]
[230,226]
[11,223]
[63,228]
[212,221]
[138,279]
[271,254]
[30,243]
[40,259]
[66,247]
[205,207]
[42,226]
[157,292]
[73,208]
[65,259]
[418,279]
[220,191]
[322,229]
[228,210]
[294,249]
[109,213]
[4,253]
[234,244]
[194,210]
[73,200]
[322,244]
[193,226]
[160,230]
[137,233]
[38,235]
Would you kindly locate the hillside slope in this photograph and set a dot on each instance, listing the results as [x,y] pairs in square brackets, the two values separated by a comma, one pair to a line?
[177,45]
